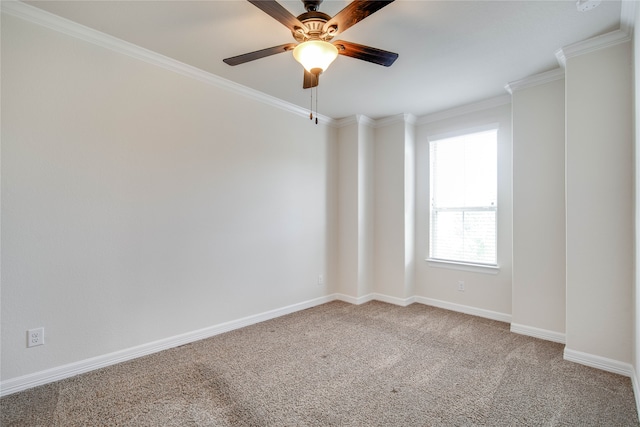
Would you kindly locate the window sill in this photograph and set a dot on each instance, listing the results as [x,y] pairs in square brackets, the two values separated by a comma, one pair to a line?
[453,265]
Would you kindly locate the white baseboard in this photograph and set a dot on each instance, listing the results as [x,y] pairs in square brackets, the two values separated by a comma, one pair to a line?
[599,362]
[352,300]
[480,312]
[25,382]
[636,388]
[402,302]
[543,334]
[14,385]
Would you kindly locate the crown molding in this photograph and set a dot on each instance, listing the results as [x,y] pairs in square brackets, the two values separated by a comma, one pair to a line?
[345,121]
[623,35]
[535,80]
[56,23]
[591,45]
[365,120]
[404,118]
[410,119]
[356,119]
[45,19]
[390,120]
[465,109]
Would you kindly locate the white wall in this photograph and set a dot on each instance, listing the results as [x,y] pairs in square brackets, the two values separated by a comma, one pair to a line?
[355,206]
[376,194]
[366,196]
[538,207]
[389,210]
[348,207]
[599,179]
[394,206]
[636,288]
[410,206]
[139,204]
[489,293]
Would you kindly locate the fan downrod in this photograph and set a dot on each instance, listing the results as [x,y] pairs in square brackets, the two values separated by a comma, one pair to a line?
[311,5]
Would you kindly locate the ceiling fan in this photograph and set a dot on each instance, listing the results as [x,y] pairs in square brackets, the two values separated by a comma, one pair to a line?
[313,30]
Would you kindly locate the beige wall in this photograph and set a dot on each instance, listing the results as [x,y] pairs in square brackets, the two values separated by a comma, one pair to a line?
[389,210]
[636,288]
[599,191]
[376,200]
[139,204]
[394,159]
[348,208]
[539,207]
[355,206]
[487,291]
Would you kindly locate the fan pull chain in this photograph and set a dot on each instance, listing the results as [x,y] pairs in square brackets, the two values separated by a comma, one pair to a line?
[311,105]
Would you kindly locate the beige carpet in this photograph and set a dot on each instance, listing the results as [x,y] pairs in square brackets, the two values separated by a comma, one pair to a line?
[341,365]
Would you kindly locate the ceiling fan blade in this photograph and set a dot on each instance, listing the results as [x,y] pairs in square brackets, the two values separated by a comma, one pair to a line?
[280,14]
[366,53]
[355,12]
[310,80]
[241,59]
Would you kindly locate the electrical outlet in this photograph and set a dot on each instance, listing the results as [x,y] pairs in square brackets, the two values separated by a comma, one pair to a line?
[320,280]
[35,337]
[461,286]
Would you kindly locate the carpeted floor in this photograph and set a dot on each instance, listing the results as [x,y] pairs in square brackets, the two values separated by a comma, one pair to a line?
[341,365]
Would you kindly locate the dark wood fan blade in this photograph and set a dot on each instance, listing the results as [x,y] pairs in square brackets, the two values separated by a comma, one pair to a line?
[310,80]
[355,12]
[280,14]
[366,53]
[241,59]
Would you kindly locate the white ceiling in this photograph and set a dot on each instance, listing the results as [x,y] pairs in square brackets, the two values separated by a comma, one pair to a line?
[450,52]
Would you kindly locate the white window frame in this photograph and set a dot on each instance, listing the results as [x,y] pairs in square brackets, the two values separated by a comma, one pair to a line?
[457,264]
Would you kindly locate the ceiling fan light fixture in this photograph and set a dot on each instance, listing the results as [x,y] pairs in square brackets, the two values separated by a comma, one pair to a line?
[315,54]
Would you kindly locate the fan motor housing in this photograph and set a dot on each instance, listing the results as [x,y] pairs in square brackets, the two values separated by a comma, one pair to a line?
[314,21]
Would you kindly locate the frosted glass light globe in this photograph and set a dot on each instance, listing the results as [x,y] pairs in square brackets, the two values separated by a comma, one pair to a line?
[315,54]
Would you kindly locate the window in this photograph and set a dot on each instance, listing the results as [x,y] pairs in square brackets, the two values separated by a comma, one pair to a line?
[464,206]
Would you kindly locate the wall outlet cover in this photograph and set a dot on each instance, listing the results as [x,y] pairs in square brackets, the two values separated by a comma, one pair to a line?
[35,337]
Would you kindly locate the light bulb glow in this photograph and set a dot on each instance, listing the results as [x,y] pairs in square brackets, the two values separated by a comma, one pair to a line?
[315,54]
